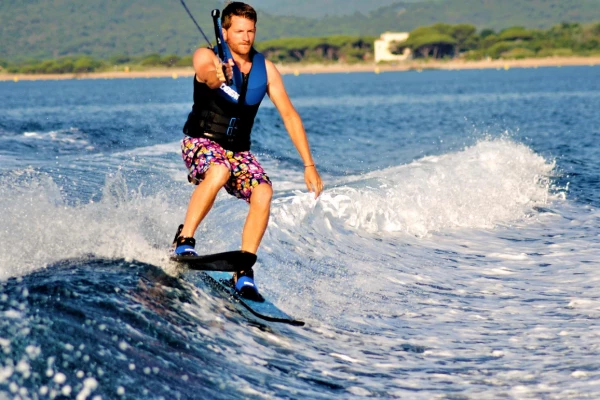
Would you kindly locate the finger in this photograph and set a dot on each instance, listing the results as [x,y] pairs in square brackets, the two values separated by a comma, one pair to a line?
[310,187]
[229,68]
[220,74]
[218,64]
[219,70]
[316,188]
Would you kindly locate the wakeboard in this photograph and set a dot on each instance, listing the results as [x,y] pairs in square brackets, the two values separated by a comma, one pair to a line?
[216,270]
[230,261]
[264,310]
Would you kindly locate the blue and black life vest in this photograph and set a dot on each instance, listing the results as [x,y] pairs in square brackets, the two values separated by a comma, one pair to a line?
[223,116]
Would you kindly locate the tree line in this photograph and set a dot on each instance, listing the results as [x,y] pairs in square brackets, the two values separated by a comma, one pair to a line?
[349,49]
[462,40]
[86,64]
[439,41]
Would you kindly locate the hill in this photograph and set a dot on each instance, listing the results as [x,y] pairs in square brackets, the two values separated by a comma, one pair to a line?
[50,29]
[44,29]
[321,8]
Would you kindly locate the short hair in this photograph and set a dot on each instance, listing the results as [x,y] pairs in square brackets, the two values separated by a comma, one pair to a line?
[238,9]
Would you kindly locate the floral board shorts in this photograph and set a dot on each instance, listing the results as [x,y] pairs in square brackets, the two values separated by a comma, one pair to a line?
[246,173]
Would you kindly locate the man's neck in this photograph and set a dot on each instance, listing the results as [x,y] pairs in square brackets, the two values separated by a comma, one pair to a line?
[242,61]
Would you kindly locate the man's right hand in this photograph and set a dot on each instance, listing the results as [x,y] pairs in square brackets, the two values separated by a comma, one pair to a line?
[216,77]
[209,68]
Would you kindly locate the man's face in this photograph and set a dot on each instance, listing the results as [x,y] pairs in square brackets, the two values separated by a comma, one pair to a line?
[240,35]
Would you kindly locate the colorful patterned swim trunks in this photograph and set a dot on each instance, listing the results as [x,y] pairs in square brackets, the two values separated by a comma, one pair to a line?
[246,173]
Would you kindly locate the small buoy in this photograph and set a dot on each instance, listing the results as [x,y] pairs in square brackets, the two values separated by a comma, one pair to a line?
[175,76]
[296,72]
[506,67]
[16,79]
[377,70]
[419,70]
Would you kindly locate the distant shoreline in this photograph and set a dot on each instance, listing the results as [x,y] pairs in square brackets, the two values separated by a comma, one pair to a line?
[300,69]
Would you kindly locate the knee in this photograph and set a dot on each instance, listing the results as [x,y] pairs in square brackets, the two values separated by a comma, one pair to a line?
[217,174]
[261,196]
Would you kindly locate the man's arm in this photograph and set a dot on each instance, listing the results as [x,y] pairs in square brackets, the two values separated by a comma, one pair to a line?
[293,124]
[209,69]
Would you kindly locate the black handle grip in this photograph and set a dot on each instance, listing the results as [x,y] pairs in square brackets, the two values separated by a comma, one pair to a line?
[215,14]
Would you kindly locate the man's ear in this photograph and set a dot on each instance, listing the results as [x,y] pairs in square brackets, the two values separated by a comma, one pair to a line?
[224,34]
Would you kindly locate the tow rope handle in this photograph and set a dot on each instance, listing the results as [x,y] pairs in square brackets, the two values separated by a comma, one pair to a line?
[222,48]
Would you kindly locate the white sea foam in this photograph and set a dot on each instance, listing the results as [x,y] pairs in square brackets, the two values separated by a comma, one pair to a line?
[39,227]
[151,151]
[492,183]
[71,136]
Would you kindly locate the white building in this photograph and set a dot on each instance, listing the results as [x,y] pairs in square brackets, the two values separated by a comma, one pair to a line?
[382,47]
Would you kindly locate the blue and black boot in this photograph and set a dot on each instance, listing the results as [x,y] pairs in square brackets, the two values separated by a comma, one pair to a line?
[183,246]
[245,286]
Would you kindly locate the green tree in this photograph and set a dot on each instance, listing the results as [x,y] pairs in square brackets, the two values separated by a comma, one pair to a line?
[120,59]
[465,35]
[486,32]
[436,45]
[432,41]
[185,61]
[515,33]
[170,60]
[499,48]
[86,64]
[488,41]
[151,60]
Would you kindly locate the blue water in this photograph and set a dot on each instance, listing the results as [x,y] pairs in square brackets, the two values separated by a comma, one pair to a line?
[454,253]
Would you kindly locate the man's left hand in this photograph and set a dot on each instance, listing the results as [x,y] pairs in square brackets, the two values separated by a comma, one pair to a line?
[313,180]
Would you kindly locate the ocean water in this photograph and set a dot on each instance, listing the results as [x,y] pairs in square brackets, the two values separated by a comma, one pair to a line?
[453,255]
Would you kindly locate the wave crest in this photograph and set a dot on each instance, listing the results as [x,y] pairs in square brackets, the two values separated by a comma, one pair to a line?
[491,183]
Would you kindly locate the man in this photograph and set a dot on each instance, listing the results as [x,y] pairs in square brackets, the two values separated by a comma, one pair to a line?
[216,148]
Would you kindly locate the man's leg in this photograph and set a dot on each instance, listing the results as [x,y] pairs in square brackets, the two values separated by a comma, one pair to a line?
[258,217]
[254,229]
[204,197]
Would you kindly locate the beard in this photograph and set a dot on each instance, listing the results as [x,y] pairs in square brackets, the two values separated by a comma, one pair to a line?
[241,49]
